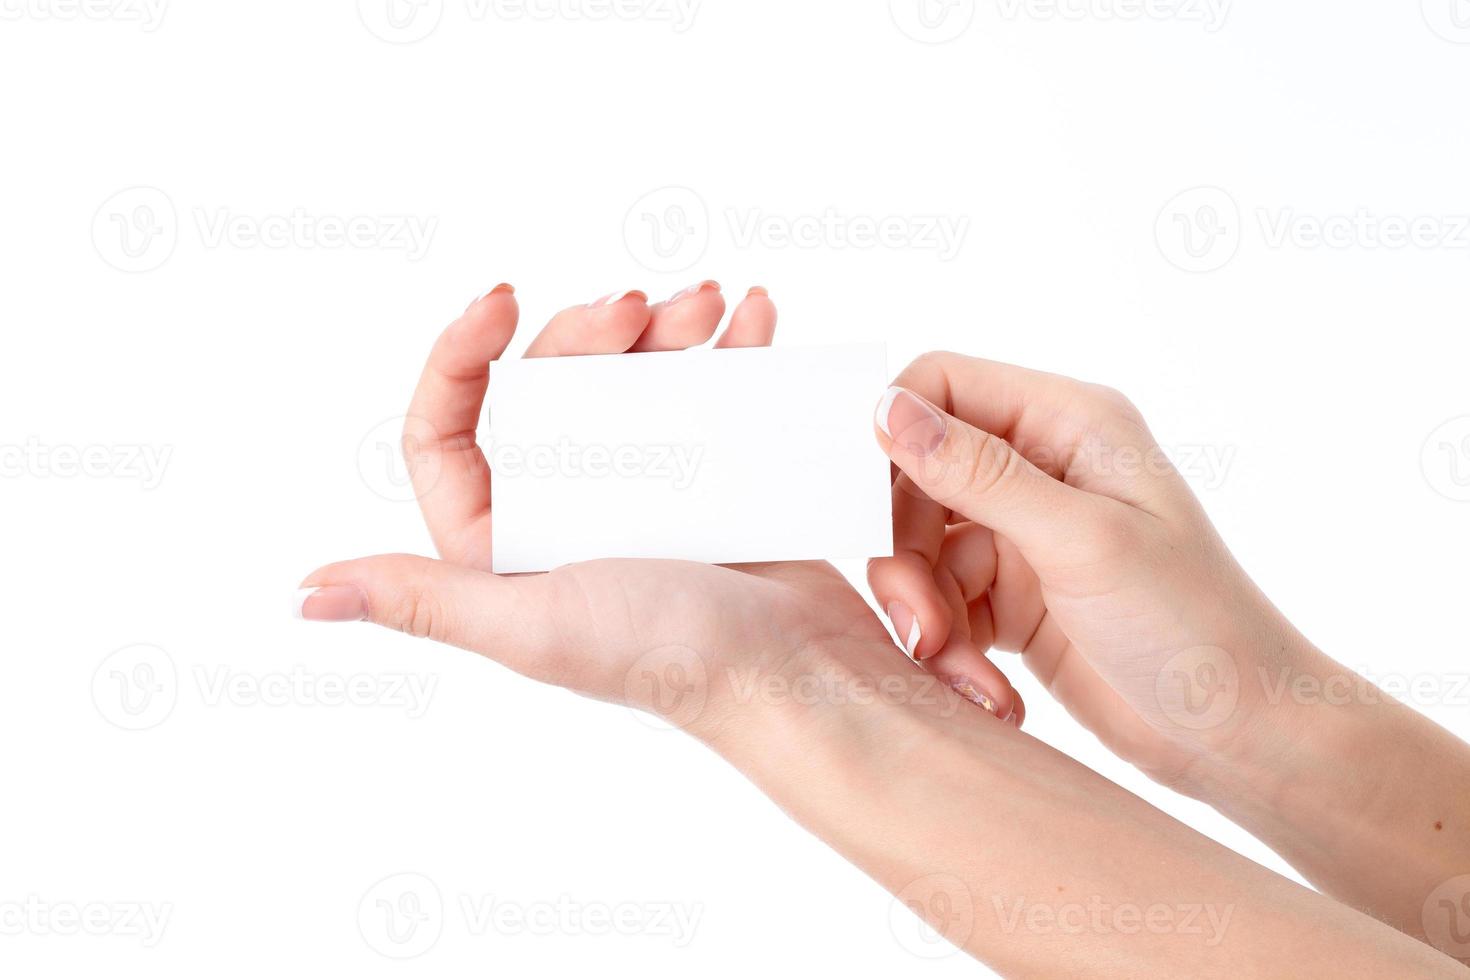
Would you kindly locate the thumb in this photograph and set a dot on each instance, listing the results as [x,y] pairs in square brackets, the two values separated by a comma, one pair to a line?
[488,614]
[979,475]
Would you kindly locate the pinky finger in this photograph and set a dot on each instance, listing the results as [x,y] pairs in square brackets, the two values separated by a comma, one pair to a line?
[753,323]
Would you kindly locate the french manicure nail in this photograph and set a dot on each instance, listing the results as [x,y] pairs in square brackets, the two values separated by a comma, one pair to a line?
[909,421]
[693,290]
[331,604]
[612,299]
[504,287]
[906,625]
[966,689]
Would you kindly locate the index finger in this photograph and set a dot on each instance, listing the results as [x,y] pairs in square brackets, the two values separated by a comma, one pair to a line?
[451,478]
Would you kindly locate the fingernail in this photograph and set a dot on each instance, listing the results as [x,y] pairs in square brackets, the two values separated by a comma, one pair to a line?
[909,421]
[504,287]
[906,625]
[693,290]
[966,689]
[611,299]
[331,604]
[758,291]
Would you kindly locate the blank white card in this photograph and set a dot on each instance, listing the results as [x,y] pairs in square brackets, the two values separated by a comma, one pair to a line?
[750,454]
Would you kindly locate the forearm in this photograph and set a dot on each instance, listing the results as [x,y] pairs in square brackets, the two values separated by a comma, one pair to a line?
[1035,864]
[1366,797]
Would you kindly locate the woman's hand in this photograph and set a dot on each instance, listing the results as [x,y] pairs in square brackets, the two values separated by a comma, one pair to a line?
[683,639]
[1037,514]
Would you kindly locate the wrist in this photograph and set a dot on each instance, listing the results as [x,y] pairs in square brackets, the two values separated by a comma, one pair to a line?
[828,706]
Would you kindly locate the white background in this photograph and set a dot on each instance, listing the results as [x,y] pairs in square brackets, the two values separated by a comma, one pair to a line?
[1321,374]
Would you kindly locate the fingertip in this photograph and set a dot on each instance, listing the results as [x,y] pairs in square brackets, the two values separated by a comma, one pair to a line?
[753,324]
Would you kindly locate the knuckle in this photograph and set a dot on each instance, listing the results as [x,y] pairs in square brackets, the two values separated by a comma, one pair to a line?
[984,463]
[418,613]
[1115,403]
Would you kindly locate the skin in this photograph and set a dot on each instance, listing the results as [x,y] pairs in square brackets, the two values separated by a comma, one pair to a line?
[1142,624]
[1021,856]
